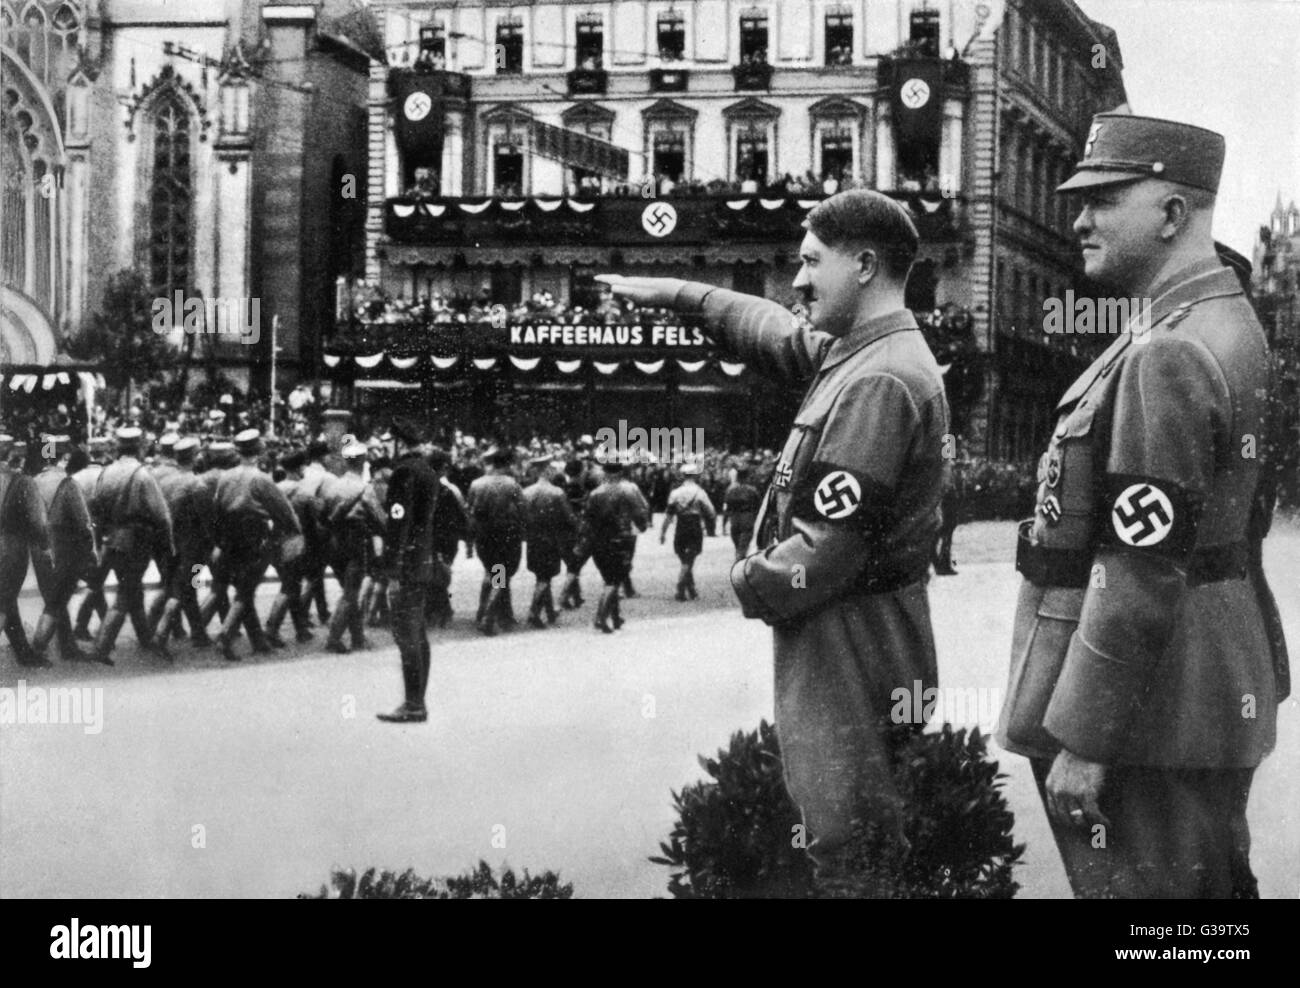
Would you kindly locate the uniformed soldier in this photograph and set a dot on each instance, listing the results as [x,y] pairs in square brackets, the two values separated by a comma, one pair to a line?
[373,598]
[740,509]
[615,512]
[190,499]
[314,475]
[100,451]
[848,525]
[162,465]
[351,516]
[72,544]
[249,511]
[411,505]
[551,528]
[694,513]
[218,457]
[1148,661]
[129,508]
[290,555]
[497,518]
[579,481]
[450,527]
[24,532]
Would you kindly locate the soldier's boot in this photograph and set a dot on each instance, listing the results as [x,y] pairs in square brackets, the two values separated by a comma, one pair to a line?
[24,654]
[154,614]
[298,614]
[535,608]
[44,633]
[167,623]
[90,604]
[507,609]
[491,609]
[140,625]
[681,584]
[256,636]
[628,590]
[552,615]
[357,629]
[366,599]
[338,624]
[616,613]
[603,609]
[425,662]
[275,618]
[106,638]
[68,650]
[484,592]
[690,583]
[226,636]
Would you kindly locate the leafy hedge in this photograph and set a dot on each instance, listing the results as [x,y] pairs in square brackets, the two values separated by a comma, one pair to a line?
[480,883]
[734,835]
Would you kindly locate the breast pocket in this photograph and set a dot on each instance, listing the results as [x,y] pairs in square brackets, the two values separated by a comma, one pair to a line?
[1066,502]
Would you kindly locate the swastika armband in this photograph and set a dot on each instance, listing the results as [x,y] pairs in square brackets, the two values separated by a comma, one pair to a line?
[832,493]
[1151,515]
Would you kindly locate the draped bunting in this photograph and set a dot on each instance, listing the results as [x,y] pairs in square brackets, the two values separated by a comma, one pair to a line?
[403,363]
[581,207]
[737,203]
[605,368]
[475,208]
[434,209]
[485,363]
[731,370]
[403,209]
[331,360]
[547,205]
[568,366]
[369,362]
[525,363]
[514,206]
[445,363]
[690,366]
[653,367]
[772,203]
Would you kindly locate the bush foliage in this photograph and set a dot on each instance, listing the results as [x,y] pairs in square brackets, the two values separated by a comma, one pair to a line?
[734,837]
[479,883]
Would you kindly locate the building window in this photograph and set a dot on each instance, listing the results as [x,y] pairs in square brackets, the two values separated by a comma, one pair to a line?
[672,36]
[839,36]
[171,199]
[753,38]
[507,169]
[752,155]
[584,289]
[669,154]
[836,142]
[510,46]
[590,52]
[506,284]
[924,33]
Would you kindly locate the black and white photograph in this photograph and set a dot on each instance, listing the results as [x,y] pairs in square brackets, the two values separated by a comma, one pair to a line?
[650,449]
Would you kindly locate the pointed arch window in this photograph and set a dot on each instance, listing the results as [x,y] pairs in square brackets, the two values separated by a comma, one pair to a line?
[171,197]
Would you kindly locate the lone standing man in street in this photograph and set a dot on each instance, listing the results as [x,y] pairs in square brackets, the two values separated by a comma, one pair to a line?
[1147,658]
[694,513]
[410,559]
[848,524]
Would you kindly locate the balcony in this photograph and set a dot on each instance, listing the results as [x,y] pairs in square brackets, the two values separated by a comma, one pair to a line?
[436,82]
[669,80]
[955,74]
[588,82]
[752,76]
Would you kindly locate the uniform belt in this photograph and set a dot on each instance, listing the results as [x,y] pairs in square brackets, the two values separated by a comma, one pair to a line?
[1047,567]
[886,577]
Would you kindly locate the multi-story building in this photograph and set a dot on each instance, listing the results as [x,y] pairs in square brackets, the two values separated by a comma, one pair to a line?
[521,148]
[203,145]
[1276,274]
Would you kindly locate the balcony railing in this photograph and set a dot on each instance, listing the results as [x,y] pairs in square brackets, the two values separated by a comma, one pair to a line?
[669,80]
[752,75]
[588,82]
[438,82]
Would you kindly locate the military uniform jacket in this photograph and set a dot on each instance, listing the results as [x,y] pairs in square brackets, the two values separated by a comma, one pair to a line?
[126,493]
[22,512]
[549,517]
[451,521]
[349,507]
[247,499]
[616,509]
[190,499]
[72,535]
[496,509]
[853,507]
[1167,651]
[741,504]
[411,503]
[690,500]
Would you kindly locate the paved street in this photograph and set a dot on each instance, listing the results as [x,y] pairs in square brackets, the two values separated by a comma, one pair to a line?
[545,749]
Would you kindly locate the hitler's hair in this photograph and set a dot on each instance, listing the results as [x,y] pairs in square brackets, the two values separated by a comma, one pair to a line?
[853,221]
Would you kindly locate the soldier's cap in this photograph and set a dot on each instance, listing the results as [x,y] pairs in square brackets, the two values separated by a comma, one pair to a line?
[6,441]
[19,448]
[408,431]
[185,444]
[248,440]
[216,415]
[1124,148]
[226,399]
[221,446]
[168,439]
[337,413]
[691,469]
[128,434]
[539,461]
[99,444]
[352,448]
[500,456]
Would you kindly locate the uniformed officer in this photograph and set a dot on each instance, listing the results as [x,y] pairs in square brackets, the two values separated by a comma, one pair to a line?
[72,544]
[24,532]
[411,505]
[740,507]
[190,500]
[450,527]
[694,513]
[129,508]
[848,525]
[290,555]
[497,518]
[579,481]
[615,512]
[100,451]
[218,457]
[314,475]
[249,511]
[550,530]
[1148,661]
[352,516]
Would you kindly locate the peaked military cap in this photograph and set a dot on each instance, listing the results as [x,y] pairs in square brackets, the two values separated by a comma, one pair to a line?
[1123,148]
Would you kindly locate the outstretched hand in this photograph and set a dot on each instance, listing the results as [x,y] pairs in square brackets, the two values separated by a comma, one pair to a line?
[650,292]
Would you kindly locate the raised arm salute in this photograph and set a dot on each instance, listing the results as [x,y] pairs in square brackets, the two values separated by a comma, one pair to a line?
[846,528]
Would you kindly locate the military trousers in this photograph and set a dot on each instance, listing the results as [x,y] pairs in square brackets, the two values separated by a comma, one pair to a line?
[1175,833]
[411,634]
